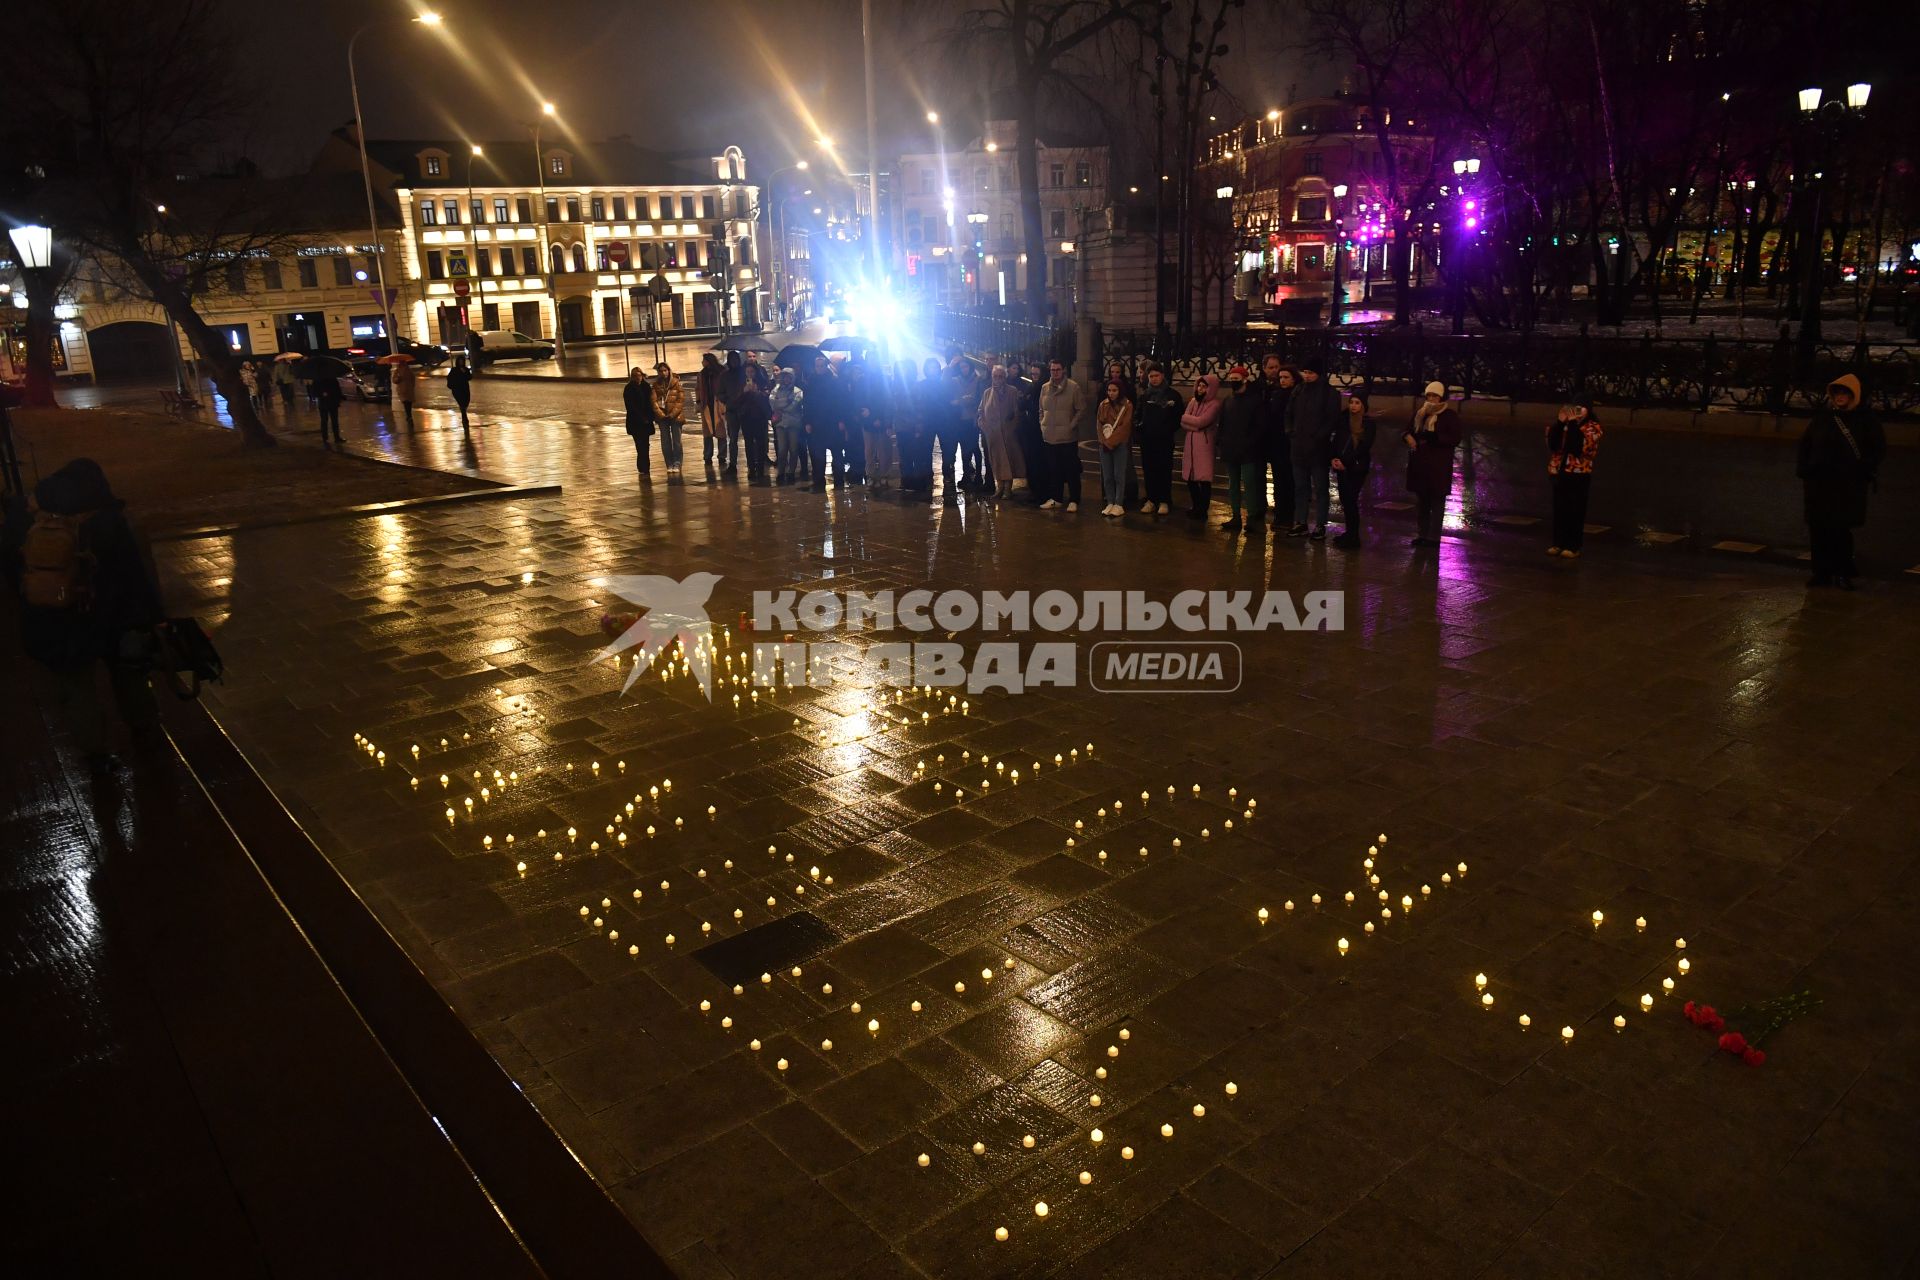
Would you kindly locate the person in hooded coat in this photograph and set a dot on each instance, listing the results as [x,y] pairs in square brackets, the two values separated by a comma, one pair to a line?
[459,386]
[1839,462]
[1197,426]
[1431,438]
[97,648]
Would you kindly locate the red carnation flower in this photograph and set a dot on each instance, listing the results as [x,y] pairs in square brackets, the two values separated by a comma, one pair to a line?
[1687,1010]
[1753,1057]
[1733,1042]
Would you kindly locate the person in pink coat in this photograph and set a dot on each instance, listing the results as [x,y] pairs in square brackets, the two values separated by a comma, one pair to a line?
[1196,449]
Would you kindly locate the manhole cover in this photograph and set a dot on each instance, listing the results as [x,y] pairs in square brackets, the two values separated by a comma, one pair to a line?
[767,948]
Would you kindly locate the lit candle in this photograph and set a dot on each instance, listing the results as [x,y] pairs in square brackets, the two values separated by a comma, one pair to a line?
[1619,1022]
[1126,1153]
[1666,986]
[1199,1111]
[1000,1233]
[1125,1034]
[923,1160]
[1566,1034]
[1232,1089]
[1099,1073]
[1287,905]
[1684,964]
[1486,1001]
[1097,1137]
[979,1148]
[1679,944]
[1094,1101]
[826,1046]
[1342,944]
[1640,923]
[1166,1131]
[915,1006]
[873,1025]
[1646,1003]
[1027,1141]
[1525,1022]
[1262,914]
[1598,916]
[1085,1177]
[780,1065]
[1040,1209]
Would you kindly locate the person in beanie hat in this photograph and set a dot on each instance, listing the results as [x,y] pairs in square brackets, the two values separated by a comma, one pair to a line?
[1840,455]
[1573,441]
[1431,438]
[1314,422]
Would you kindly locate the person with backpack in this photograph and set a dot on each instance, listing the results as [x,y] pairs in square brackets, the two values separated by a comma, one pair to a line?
[89,602]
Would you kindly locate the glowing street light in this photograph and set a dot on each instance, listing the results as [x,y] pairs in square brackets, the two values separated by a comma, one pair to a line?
[933,117]
[1857,95]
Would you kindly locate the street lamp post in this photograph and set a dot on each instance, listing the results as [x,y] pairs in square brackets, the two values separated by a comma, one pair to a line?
[473,238]
[546,237]
[1827,117]
[427,19]
[1336,313]
[1456,272]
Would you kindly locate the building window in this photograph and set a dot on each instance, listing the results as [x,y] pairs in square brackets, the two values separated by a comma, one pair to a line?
[579,257]
[706,208]
[1313,162]
[309,274]
[342,271]
[573,209]
[499,208]
[1057,223]
[743,252]
[1310,209]
[686,206]
[433,166]
[479,211]
[483,261]
[926,182]
[236,277]
[522,209]
[619,208]
[600,262]
[557,165]
[529,260]
[598,205]
[649,259]
[436,269]
[1057,174]
[270,271]
[557,255]
[553,208]
[670,252]
[1083,173]
[982,180]
[453,213]
[429,214]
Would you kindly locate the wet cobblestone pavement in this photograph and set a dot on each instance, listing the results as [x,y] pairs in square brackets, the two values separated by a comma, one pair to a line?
[1693,741]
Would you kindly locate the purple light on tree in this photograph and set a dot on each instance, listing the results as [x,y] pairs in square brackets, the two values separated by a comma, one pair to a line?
[1472,223]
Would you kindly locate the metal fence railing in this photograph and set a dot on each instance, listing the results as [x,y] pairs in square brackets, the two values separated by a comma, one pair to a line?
[998,335]
[1766,376]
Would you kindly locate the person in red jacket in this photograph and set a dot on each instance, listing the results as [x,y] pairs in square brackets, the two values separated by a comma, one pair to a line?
[1573,441]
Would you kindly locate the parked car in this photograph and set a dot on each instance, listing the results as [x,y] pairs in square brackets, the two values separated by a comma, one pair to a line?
[366,379]
[425,355]
[488,346]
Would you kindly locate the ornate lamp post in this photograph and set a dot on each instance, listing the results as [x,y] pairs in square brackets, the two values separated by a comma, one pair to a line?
[1826,119]
[426,19]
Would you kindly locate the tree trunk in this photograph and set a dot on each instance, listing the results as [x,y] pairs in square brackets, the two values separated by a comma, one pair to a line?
[1027,167]
[219,358]
[41,290]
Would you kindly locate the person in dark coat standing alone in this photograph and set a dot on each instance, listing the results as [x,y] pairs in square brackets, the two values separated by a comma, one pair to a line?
[326,397]
[1431,438]
[1242,455]
[460,387]
[1840,456]
[640,419]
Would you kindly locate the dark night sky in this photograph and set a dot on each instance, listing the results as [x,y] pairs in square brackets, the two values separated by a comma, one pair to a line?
[675,74]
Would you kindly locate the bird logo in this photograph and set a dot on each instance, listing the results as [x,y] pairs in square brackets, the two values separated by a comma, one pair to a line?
[676,610]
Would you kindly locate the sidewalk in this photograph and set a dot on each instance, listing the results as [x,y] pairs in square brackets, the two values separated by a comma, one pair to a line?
[202,1098]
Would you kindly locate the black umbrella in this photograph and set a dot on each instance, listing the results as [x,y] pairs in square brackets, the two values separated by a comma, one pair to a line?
[745,342]
[796,355]
[847,343]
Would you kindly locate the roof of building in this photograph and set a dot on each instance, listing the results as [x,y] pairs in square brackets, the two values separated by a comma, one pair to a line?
[611,162]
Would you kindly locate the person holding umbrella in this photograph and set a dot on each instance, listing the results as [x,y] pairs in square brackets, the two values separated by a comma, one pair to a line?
[460,386]
[282,377]
[402,379]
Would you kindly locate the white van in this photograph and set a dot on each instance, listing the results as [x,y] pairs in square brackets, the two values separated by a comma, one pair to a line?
[485,346]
